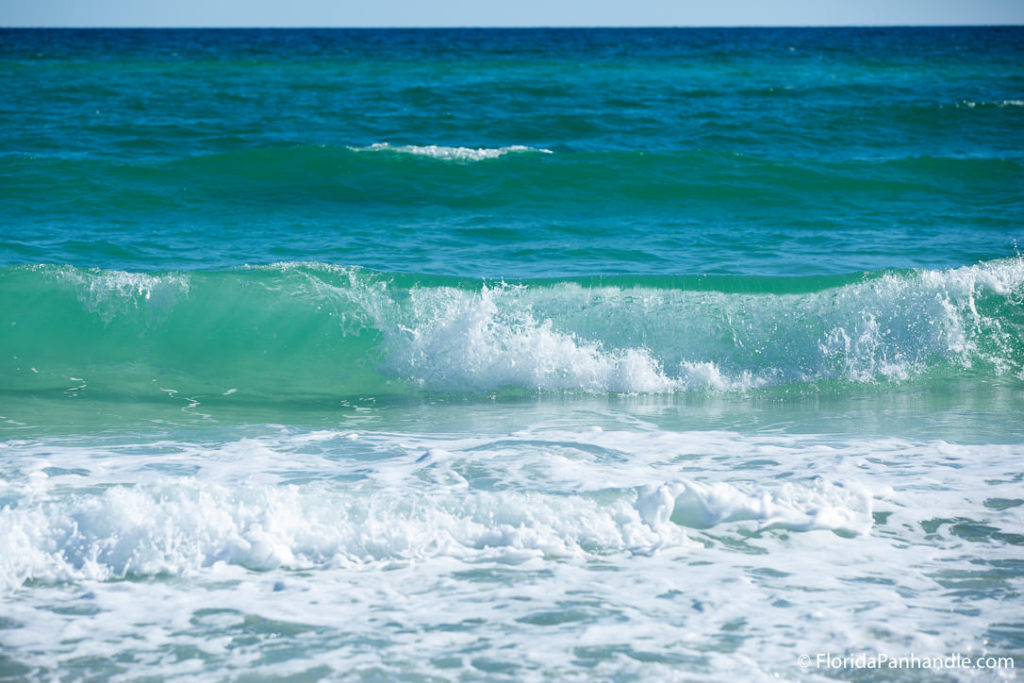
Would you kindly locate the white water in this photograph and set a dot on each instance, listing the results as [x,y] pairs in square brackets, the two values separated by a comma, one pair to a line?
[558,551]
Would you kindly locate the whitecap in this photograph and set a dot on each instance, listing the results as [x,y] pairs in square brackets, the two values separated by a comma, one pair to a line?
[452,153]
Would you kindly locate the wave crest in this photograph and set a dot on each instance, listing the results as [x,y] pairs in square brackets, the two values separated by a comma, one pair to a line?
[329,330]
[451,153]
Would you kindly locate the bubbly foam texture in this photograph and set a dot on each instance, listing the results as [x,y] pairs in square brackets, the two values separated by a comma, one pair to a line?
[451,153]
[792,507]
[346,543]
[489,340]
[181,527]
[567,337]
[87,513]
[402,508]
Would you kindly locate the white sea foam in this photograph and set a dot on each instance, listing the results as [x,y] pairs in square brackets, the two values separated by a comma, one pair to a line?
[182,526]
[417,498]
[612,339]
[797,508]
[482,341]
[372,551]
[452,153]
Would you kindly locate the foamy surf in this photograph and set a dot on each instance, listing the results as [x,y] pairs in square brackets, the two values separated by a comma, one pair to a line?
[183,527]
[87,513]
[215,546]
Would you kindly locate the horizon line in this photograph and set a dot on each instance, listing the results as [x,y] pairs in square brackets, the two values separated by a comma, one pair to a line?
[488,28]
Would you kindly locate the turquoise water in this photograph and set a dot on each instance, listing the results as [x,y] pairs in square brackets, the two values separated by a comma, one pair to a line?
[767,152]
[509,354]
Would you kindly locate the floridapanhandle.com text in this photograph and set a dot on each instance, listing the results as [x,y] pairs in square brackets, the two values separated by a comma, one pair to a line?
[881,660]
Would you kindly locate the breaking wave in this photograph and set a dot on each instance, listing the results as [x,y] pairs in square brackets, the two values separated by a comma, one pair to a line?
[308,328]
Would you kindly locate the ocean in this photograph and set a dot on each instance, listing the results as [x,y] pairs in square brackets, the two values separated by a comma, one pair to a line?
[540,354]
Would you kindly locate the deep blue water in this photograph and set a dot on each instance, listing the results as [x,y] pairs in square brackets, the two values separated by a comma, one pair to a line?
[689,151]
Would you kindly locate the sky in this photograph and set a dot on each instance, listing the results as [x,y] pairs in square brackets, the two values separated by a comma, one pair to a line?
[345,13]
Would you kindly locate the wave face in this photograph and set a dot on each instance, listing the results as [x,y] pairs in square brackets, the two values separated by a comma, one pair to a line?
[316,329]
